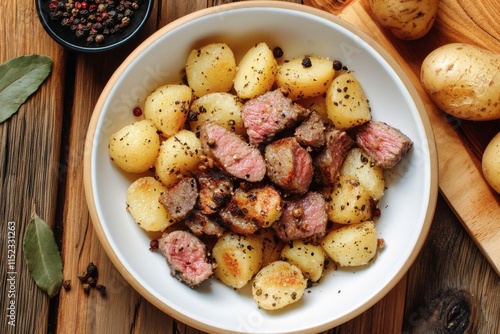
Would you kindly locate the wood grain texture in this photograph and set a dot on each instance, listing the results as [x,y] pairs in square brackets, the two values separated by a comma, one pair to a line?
[41,158]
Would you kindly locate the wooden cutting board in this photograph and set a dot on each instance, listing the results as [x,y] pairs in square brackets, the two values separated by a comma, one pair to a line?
[460,143]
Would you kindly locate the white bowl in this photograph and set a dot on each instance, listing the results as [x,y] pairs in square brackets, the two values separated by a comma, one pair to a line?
[407,207]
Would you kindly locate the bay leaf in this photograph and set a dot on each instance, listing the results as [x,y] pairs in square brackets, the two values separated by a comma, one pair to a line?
[19,78]
[42,255]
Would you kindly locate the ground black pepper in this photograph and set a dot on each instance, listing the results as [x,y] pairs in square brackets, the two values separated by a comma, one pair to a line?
[93,20]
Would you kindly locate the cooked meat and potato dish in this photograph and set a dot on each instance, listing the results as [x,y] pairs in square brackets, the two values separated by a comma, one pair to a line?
[259,173]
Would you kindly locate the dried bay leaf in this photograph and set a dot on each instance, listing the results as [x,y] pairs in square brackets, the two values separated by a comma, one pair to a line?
[42,255]
[19,78]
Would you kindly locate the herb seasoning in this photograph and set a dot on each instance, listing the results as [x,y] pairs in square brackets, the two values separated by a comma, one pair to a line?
[93,20]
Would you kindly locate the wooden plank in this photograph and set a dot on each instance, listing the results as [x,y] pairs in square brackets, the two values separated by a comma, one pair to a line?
[29,138]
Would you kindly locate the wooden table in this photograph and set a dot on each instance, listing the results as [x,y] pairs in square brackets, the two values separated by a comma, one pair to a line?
[450,284]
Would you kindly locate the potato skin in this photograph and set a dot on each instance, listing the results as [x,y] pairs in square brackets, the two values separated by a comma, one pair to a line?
[464,81]
[491,163]
[406,19]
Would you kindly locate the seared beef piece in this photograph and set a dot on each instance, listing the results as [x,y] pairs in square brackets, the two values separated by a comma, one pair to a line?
[236,221]
[289,165]
[328,162]
[215,190]
[383,143]
[303,218]
[270,113]
[201,224]
[231,153]
[311,132]
[186,256]
[181,198]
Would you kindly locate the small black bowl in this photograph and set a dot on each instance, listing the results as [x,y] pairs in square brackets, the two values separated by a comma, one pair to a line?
[67,38]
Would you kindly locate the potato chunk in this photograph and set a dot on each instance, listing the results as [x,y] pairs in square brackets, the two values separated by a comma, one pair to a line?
[256,72]
[238,258]
[348,202]
[221,108]
[210,69]
[309,258]
[262,205]
[359,166]
[277,285]
[352,245]
[179,155]
[346,103]
[167,108]
[134,147]
[306,76]
[143,204]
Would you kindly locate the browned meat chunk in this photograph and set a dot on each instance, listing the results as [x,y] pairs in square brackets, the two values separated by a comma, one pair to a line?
[201,224]
[181,198]
[186,256]
[311,132]
[270,113]
[383,143]
[215,191]
[331,157]
[231,153]
[289,165]
[236,221]
[303,218]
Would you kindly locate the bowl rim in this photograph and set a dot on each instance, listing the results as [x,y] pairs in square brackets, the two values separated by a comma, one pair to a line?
[47,24]
[420,106]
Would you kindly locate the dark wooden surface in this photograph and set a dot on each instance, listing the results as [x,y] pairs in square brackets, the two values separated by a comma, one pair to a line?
[41,153]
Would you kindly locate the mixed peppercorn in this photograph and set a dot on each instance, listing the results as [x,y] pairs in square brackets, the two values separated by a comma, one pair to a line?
[93,20]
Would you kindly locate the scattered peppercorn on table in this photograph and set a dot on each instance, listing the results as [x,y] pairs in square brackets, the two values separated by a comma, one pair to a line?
[451,284]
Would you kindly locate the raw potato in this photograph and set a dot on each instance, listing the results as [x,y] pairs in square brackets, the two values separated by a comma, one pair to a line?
[167,107]
[238,258]
[277,285]
[143,204]
[306,76]
[358,165]
[346,102]
[352,245]
[491,163]
[406,19]
[210,69]
[179,155]
[463,81]
[256,72]
[309,258]
[134,147]
[348,201]
[221,108]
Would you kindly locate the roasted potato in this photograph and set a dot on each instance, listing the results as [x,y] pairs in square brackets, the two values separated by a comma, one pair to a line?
[179,155]
[277,285]
[406,19]
[135,147]
[309,258]
[359,166]
[464,81]
[352,245]
[317,104]
[221,108]
[306,76]
[167,107]
[272,246]
[143,204]
[256,72]
[238,258]
[348,201]
[491,163]
[210,69]
[346,103]
[262,205]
